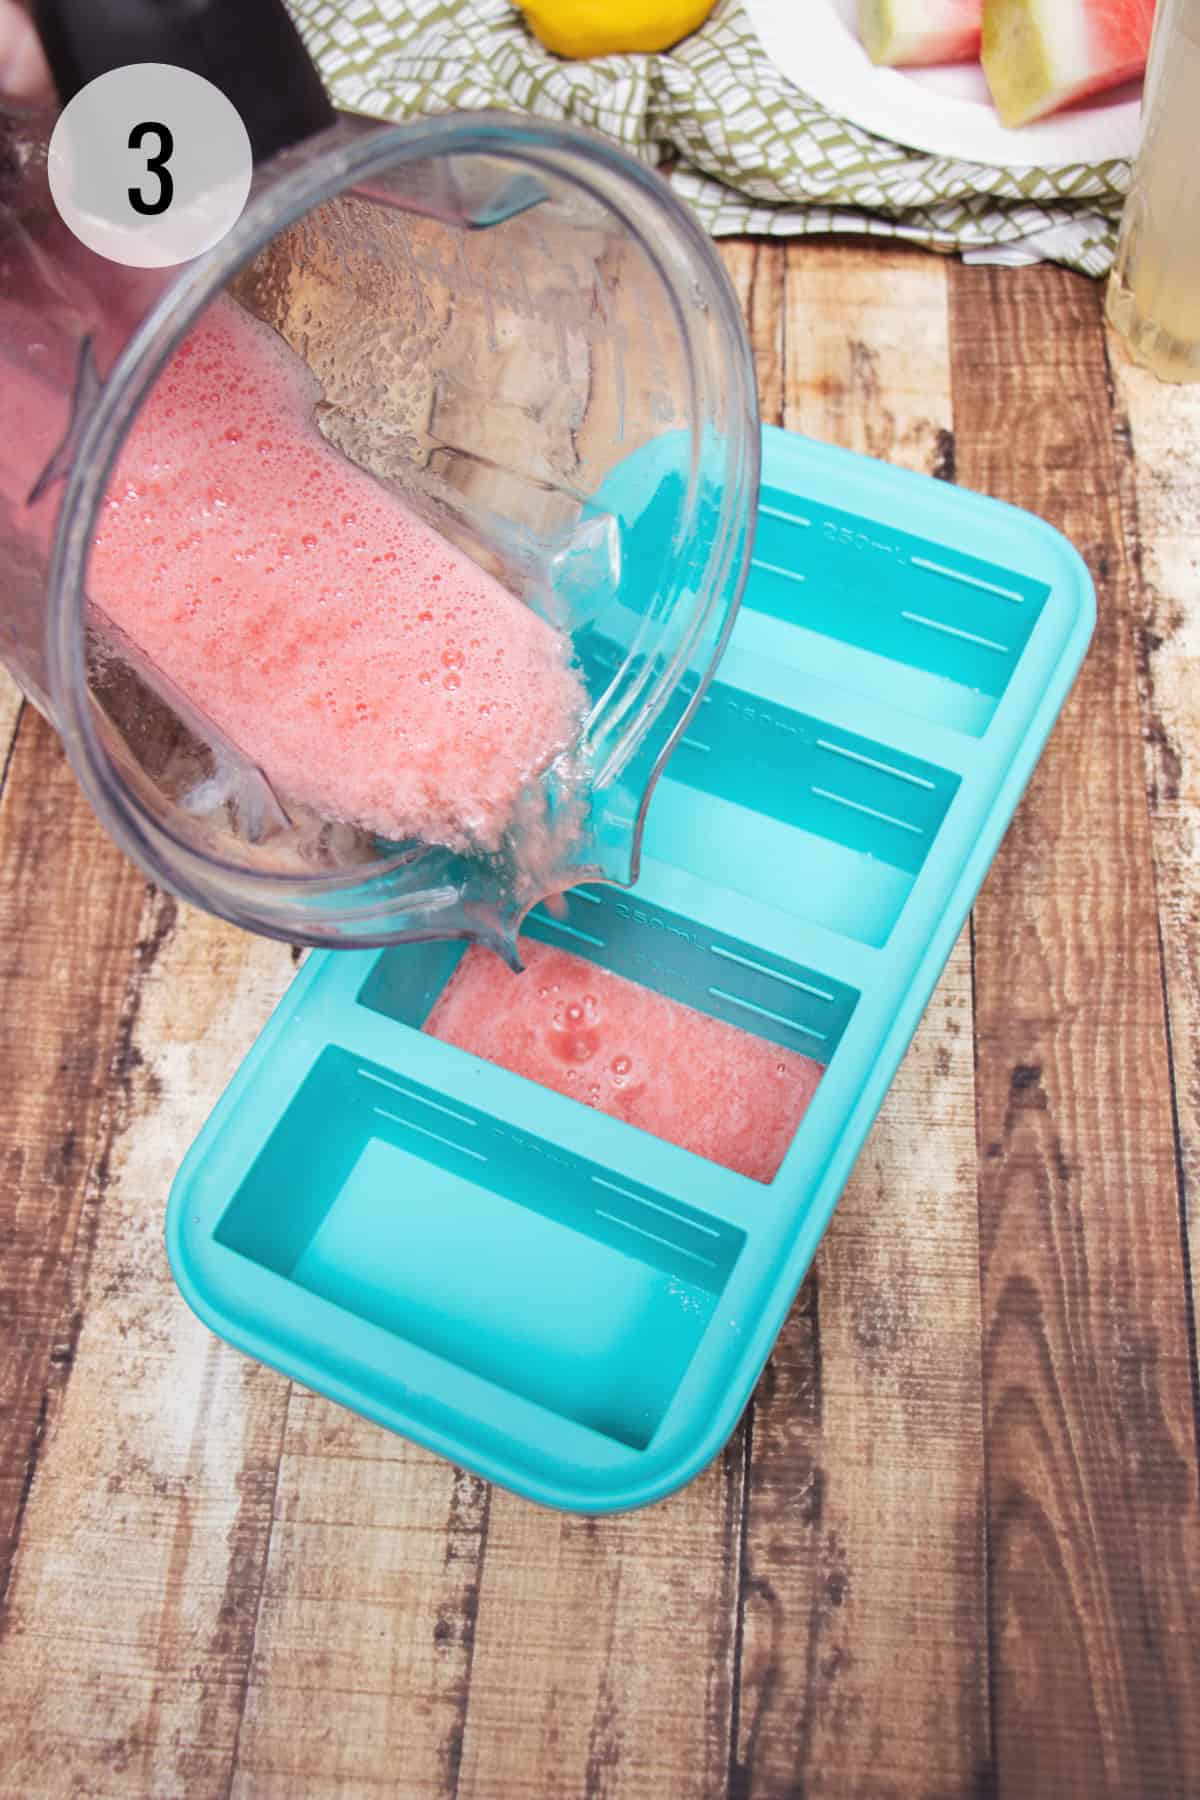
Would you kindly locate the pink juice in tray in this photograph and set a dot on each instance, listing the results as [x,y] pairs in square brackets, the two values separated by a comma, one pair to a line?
[675,1072]
[370,669]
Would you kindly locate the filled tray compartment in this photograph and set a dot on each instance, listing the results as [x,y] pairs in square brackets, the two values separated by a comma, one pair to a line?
[747,985]
[614,1046]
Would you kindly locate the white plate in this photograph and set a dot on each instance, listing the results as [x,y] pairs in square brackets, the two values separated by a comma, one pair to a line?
[946,110]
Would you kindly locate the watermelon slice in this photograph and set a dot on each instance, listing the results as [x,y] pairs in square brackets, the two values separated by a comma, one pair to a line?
[903,33]
[1040,55]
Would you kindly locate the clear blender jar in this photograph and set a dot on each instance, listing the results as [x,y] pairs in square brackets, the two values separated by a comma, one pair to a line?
[517,330]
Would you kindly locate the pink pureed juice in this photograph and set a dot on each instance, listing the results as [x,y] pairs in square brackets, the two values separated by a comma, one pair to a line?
[369,668]
[674,1072]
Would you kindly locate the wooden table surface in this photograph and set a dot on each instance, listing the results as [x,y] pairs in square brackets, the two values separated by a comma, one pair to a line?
[954,1547]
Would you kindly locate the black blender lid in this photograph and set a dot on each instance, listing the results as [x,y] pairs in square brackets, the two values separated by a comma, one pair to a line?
[250,49]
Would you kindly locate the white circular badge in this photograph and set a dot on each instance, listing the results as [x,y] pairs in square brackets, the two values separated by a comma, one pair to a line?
[150,165]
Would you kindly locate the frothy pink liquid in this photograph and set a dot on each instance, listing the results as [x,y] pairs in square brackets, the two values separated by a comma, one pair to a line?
[595,1037]
[370,669]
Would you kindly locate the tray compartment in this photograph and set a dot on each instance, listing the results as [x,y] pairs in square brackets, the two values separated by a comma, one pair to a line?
[746,985]
[851,819]
[491,1247]
[958,623]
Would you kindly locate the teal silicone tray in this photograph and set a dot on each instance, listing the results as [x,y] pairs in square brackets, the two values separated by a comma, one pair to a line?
[543,1293]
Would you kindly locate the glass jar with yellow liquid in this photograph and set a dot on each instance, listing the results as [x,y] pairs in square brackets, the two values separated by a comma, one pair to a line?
[1154,291]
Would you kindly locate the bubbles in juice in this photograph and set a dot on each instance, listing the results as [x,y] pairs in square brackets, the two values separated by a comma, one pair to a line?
[626,1050]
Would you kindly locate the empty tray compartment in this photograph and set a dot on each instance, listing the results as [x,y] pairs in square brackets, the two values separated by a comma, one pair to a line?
[922,625]
[798,813]
[500,1251]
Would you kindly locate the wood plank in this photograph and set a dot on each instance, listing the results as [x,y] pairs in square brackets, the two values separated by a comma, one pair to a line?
[757,271]
[862,1635]
[603,1649]
[70,906]
[364,1639]
[1094,1528]
[133,1599]
[1161,504]
[11,701]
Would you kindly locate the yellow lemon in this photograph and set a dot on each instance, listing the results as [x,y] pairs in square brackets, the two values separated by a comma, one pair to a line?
[583,28]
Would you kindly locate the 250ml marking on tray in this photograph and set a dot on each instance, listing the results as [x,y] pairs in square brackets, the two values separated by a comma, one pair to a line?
[624,911]
[759,715]
[534,1145]
[858,540]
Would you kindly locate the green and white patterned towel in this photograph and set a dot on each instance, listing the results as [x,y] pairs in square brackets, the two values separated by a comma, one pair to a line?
[746,148]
